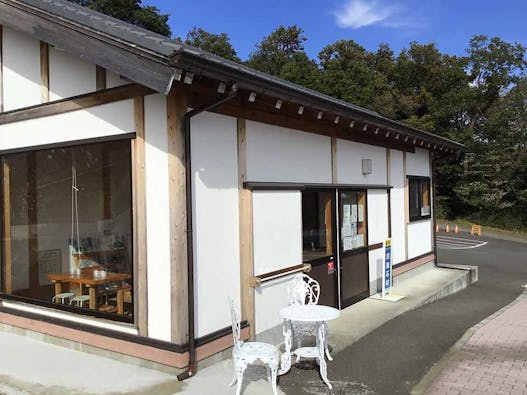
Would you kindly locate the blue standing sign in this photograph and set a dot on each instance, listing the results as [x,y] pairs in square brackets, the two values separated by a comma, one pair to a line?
[387,275]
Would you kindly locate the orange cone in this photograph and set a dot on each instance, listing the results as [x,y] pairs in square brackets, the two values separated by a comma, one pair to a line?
[437,228]
[456,230]
[447,230]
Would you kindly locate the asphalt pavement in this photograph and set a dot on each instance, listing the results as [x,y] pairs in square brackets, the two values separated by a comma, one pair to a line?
[393,358]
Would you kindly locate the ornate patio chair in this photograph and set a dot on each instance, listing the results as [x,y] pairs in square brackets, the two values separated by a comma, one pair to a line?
[304,290]
[248,353]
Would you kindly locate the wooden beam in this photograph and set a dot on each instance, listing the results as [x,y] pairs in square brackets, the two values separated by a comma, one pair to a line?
[32,219]
[334,167]
[100,77]
[44,71]
[139,218]
[176,109]
[6,228]
[74,103]
[406,208]
[245,200]
[389,191]
[1,71]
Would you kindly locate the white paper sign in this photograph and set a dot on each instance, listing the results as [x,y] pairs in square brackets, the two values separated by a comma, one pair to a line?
[354,213]
[347,243]
[346,213]
[360,241]
[361,212]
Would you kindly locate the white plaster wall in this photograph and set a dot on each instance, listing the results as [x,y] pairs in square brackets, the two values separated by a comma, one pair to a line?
[106,120]
[69,75]
[377,232]
[216,220]
[157,218]
[377,216]
[277,224]
[419,238]
[349,163]
[418,164]
[376,262]
[397,179]
[114,80]
[21,70]
[277,154]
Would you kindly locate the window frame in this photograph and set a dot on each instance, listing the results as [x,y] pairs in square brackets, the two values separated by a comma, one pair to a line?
[80,311]
[420,180]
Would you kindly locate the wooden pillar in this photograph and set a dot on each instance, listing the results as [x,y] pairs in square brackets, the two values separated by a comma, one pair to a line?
[139,218]
[406,208]
[389,192]
[1,71]
[176,109]
[100,78]
[44,71]
[6,228]
[32,219]
[246,233]
[334,178]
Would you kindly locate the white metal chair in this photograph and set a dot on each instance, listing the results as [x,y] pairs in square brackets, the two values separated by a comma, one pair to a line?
[61,298]
[304,290]
[79,300]
[248,353]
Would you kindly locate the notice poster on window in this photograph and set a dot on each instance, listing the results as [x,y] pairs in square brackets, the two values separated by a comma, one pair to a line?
[347,243]
[361,213]
[49,261]
[347,229]
[354,213]
[346,213]
[359,241]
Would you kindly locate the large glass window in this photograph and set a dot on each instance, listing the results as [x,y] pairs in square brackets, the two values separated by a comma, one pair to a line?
[317,224]
[67,234]
[419,197]
[353,218]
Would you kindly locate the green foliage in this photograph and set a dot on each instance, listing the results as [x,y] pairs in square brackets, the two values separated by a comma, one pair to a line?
[217,44]
[131,11]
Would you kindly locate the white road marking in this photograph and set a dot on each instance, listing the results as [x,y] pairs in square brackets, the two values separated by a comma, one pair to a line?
[456,243]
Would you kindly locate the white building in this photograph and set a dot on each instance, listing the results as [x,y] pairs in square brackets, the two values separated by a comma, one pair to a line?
[107,131]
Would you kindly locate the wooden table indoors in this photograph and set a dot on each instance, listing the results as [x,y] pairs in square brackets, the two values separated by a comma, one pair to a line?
[87,279]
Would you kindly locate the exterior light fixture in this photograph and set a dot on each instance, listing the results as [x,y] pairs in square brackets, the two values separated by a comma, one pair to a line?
[366,166]
[221,87]
[188,78]
[178,73]
[252,97]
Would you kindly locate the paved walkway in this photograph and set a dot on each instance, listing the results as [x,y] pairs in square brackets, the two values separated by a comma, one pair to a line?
[493,360]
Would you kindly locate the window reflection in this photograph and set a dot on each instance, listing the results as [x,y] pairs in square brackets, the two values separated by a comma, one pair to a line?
[317,224]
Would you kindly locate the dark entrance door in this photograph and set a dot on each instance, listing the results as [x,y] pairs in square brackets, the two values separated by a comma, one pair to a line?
[319,241]
[353,246]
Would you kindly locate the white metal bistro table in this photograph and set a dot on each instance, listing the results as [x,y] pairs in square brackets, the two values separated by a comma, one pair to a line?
[318,315]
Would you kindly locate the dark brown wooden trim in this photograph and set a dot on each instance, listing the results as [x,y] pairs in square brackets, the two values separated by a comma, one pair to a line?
[200,341]
[74,103]
[176,109]
[44,71]
[100,78]
[63,144]
[256,186]
[281,271]
[408,261]
[373,247]
[139,218]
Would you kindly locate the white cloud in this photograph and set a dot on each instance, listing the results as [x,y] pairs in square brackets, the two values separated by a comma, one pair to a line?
[360,13]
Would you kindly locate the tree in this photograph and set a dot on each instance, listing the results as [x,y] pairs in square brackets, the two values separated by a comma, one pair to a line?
[217,44]
[131,11]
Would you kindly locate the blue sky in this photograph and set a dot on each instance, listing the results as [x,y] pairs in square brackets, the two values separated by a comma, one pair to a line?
[448,23]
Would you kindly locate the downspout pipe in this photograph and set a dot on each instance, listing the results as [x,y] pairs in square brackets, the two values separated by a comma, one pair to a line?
[434,202]
[192,362]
